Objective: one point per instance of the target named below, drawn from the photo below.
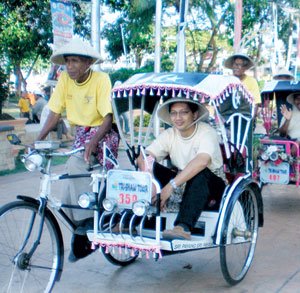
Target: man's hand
(164, 196)
(141, 163)
(287, 114)
(90, 148)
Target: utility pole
(238, 15)
(124, 44)
(157, 36)
(180, 56)
(95, 26)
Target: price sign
(278, 174)
(126, 187)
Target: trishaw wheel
(239, 236)
(119, 256)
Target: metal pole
(275, 51)
(124, 44)
(95, 26)
(238, 14)
(157, 36)
(297, 63)
(180, 56)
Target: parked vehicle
(33, 243)
(277, 157)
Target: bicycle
(32, 248)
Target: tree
(26, 32)
(4, 88)
(136, 20)
(210, 28)
(205, 38)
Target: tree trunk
(19, 80)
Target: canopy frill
(202, 87)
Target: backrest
(239, 126)
(234, 150)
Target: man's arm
(283, 130)
(287, 114)
(50, 123)
(91, 146)
(199, 163)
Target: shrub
(4, 88)
(147, 118)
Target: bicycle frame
(48, 201)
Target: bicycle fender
(234, 191)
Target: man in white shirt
(193, 148)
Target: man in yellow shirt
(85, 97)
(24, 106)
(239, 63)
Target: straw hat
(75, 47)
(229, 61)
(284, 74)
(164, 114)
(290, 98)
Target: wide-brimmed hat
(283, 73)
(230, 60)
(75, 47)
(163, 112)
(290, 98)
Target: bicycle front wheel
(19, 229)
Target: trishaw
(277, 157)
(124, 196)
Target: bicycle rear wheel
(239, 231)
(120, 256)
(20, 272)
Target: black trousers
(197, 192)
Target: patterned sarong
(84, 134)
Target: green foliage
(147, 118)
(26, 32)
(136, 21)
(123, 74)
(4, 87)
(19, 165)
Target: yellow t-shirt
(252, 86)
(24, 105)
(183, 150)
(87, 103)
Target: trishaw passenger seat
(235, 165)
(234, 149)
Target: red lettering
(121, 198)
(127, 198)
(134, 198)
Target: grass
(21, 168)
(12, 109)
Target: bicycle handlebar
(69, 153)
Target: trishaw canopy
(144, 92)
(278, 90)
(205, 88)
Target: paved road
(276, 266)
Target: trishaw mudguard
(234, 191)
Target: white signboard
(126, 187)
(275, 173)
